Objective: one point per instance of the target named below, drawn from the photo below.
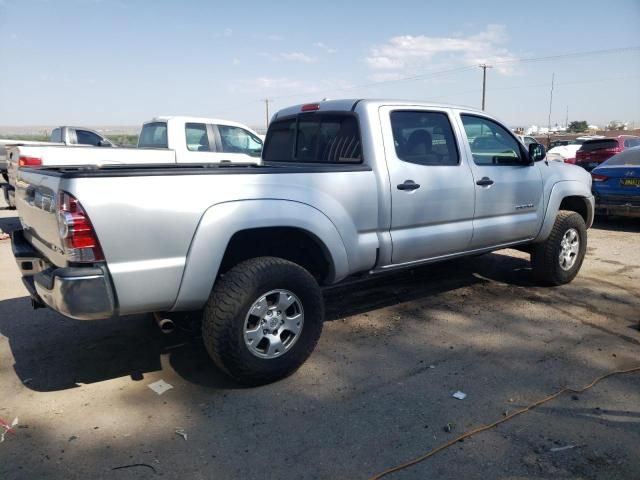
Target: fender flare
(560, 191)
(221, 221)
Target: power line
(385, 82)
(426, 76)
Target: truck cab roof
(188, 119)
(350, 105)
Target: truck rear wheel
(558, 259)
(263, 319)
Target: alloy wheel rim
(273, 324)
(569, 248)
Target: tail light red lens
(599, 178)
(76, 232)
(610, 151)
(570, 160)
(24, 161)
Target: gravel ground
(375, 393)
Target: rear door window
(314, 138)
(631, 142)
(425, 138)
(196, 137)
(153, 135)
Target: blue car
(616, 184)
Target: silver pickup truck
(346, 187)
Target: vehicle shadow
(390, 289)
(52, 352)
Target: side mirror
(537, 151)
(105, 143)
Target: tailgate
(36, 201)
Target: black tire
(545, 256)
(225, 312)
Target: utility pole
(266, 104)
(551, 100)
(484, 67)
(566, 119)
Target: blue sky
(117, 62)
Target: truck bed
(146, 217)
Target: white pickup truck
(162, 140)
(346, 187)
(60, 136)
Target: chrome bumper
(83, 293)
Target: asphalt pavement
(376, 392)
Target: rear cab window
(321, 137)
(153, 135)
(56, 135)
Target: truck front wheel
(263, 319)
(558, 259)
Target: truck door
(219, 143)
(508, 186)
(432, 190)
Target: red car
(593, 152)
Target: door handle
(408, 185)
(484, 182)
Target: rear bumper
(620, 210)
(622, 205)
(83, 293)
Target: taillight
(570, 160)
(612, 151)
(24, 161)
(311, 107)
(599, 178)
(76, 232)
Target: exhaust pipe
(166, 325)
